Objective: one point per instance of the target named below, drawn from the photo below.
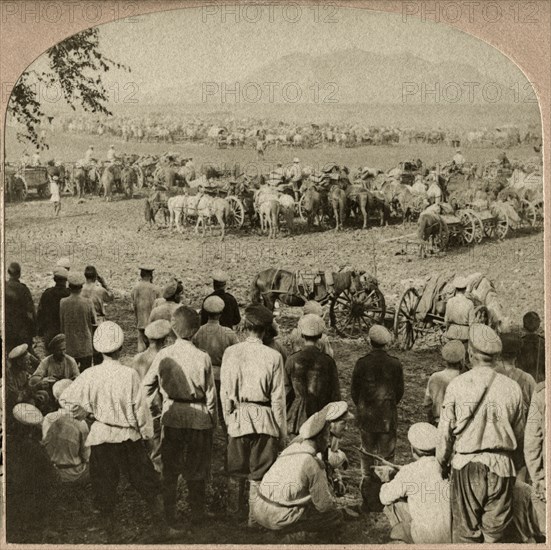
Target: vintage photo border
(25, 35)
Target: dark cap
(511, 344)
(259, 316)
(531, 321)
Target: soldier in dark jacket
(49, 324)
(531, 356)
(377, 387)
(20, 313)
(230, 316)
(313, 376)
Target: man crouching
(294, 496)
(417, 500)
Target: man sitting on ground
(416, 500)
(294, 495)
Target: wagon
(491, 224)
(420, 313)
(22, 181)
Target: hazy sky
(197, 44)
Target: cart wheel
(141, 176)
(237, 212)
(440, 242)
(352, 315)
(300, 208)
(473, 229)
(528, 215)
(502, 227)
(405, 320)
(538, 207)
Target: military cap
(64, 262)
(296, 159)
(108, 337)
(76, 279)
(56, 341)
(27, 414)
(336, 411)
(311, 325)
(379, 335)
(484, 339)
(313, 426)
(18, 351)
(453, 351)
(170, 290)
(312, 307)
(510, 343)
(214, 304)
(423, 436)
(460, 282)
(158, 329)
(60, 386)
(145, 267)
(531, 321)
(220, 276)
(185, 322)
(61, 272)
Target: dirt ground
(111, 236)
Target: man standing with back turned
(480, 437)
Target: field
(111, 237)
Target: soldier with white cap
(64, 262)
(376, 388)
(172, 296)
(296, 340)
(459, 312)
(182, 375)
(453, 353)
(294, 495)
(112, 395)
(481, 431)
(17, 379)
(312, 374)
(230, 316)
(64, 438)
(78, 322)
(295, 175)
(144, 295)
(215, 339)
(417, 499)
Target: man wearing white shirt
(112, 395)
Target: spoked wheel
(237, 212)
(502, 227)
(473, 229)
(141, 176)
(352, 315)
(300, 208)
(441, 240)
(538, 207)
(528, 214)
(405, 318)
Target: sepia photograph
(273, 273)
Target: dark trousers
(185, 452)
(106, 463)
(382, 444)
(482, 504)
(220, 410)
(313, 521)
(251, 455)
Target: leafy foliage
(75, 66)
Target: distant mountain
(347, 77)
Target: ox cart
(420, 311)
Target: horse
(176, 208)
(129, 179)
(312, 205)
(207, 207)
(287, 209)
(157, 201)
(367, 201)
(109, 178)
(269, 217)
(431, 228)
(86, 180)
(278, 284)
(337, 197)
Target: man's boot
(161, 529)
(253, 496)
(235, 499)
